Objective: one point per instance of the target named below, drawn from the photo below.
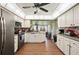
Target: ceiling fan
(37, 5)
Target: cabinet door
(74, 49)
(63, 20)
(66, 46)
(76, 15)
(63, 44)
(69, 18)
(26, 38)
(77, 51)
(59, 21)
(58, 41)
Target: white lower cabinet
(74, 48)
(34, 37)
(67, 46)
(59, 42)
(63, 44)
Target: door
(8, 33)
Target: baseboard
(59, 49)
(35, 42)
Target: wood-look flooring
(47, 48)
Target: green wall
(52, 23)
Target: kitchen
(32, 30)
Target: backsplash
(70, 31)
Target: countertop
(73, 38)
(36, 32)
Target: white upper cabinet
(61, 21)
(26, 23)
(76, 15)
(69, 18)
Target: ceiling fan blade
(27, 7)
(43, 9)
(43, 4)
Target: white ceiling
(30, 11)
(27, 14)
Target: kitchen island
(35, 37)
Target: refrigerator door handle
(2, 33)
(4, 28)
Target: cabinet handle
(67, 44)
(71, 24)
(73, 43)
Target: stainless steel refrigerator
(6, 32)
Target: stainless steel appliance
(6, 33)
(21, 38)
(61, 31)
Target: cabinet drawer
(74, 42)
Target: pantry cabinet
(76, 15)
